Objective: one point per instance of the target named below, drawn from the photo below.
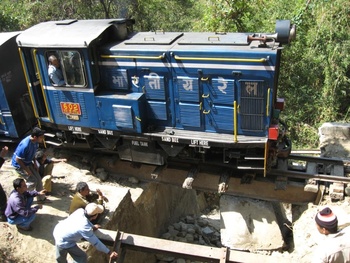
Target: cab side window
(66, 68)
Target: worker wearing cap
(336, 245)
(77, 226)
(23, 160)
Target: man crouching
(77, 226)
(19, 209)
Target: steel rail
(319, 177)
(278, 185)
(316, 159)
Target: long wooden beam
(258, 188)
(124, 240)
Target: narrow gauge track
(296, 179)
(313, 168)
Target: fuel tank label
(139, 143)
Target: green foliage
(315, 68)
(304, 136)
(332, 40)
(223, 16)
(9, 18)
(166, 15)
(16, 15)
(60, 10)
(8, 23)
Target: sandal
(44, 201)
(29, 228)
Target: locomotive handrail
(268, 102)
(257, 60)
(266, 154)
(1, 121)
(41, 85)
(235, 121)
(134, 57)
(28, 86)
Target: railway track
(297, 179)
(322, 169)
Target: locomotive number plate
(70, 108)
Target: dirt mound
(38, 245)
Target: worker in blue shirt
(23, 160)
(77, 226)
(55, 72)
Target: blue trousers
(78, 255)
(34, 181)
(3, 200)
(21, 220)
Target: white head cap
(93, 209)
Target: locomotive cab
(67, 105)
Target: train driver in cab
(55, 72)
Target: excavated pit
(150, 215)
(163, 209)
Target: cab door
(71, 101)
(218, 100)
(30, 61)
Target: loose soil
(37, 246)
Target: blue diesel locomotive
(151, 97)
(16, 112)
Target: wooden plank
(259, 188)
(184, 250)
